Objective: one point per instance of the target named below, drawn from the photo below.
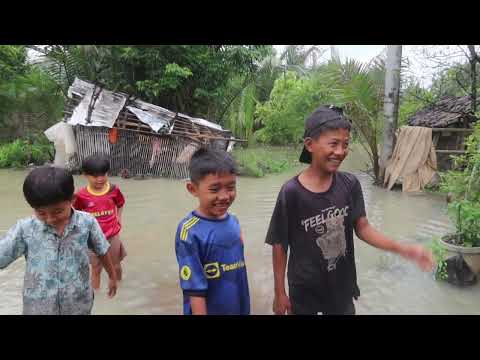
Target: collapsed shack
(451, 120)
(141, 139)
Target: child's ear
(308, 143)
(192, 188)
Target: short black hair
(48, 185)
(326, 118)
(207, 161)
(96, 165)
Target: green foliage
(12, 61)
(464, 180)
(466, 216)
(413, 99)
(188, 78)
(359, 89)
(21, 153)
(453, 81)
(464, 185)
(258, 162)
(292, 99)
(29, 98)
(439, 255)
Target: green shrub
(259, 161)
(23, 152)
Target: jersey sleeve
(118, 197)
(358, 204)
(78, 203)
(278, 229)
(188, 251)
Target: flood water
(388, 283)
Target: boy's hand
(421, 256)
(112, 288)
(281, 305)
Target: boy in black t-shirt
(315, 215)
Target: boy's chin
(217, 213)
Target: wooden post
(392, 89)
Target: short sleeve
(97, 241)
(78, 204)
(118, 197)
(12, 245)
(358, 204)
(192, 276)
(278, 229)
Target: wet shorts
(117, 252)
(307, 302)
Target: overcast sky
(365, 53)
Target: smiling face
(329, 149)
(215, 192)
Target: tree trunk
(473, 77)
(392, 90)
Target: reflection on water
(389, 285)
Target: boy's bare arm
(414, 252)
(119, 214)
(199, 305)
(107, 263)
(281, 302)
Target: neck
(315, 180)
(102, 191)
(317, 173)
(200, 212)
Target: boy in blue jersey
(209, 243)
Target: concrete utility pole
(392, 91)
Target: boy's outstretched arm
(12, 246)
(415, 252)
(107, 263)
(281, 302)
(199, 305)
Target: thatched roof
(449, 111)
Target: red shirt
(104, 207)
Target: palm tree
(296, 58)
(358, 88)
(65, 62)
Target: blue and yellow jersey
(212, 264)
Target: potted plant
(458, 253)
(465, 241)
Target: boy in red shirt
(105, 202)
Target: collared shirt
(57, 278)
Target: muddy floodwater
(388, 284)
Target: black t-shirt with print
(317, 228)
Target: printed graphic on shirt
(330, 227)
(185, 272)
